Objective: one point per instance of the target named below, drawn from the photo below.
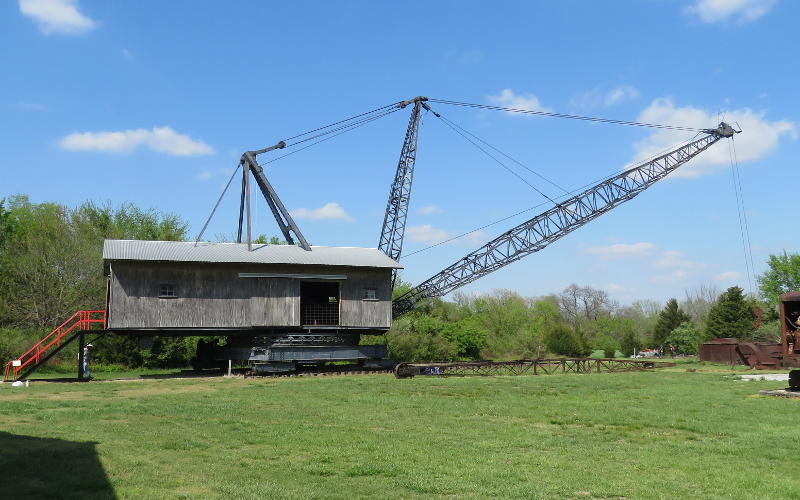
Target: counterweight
(547, 227)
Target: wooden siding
(214, 296)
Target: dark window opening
(370, 294)
(166, 291)
(319, 303)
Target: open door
(319, 303)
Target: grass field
(666, 434)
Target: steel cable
(565, 115)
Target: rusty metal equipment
(763, 355)
(526, 367)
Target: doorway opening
(319, 303)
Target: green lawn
(665, 434)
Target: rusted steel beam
(526, 367)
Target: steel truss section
(394, 221)
(526, 367)
(545, 228)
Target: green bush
(686, 338)
(562, 340)
(607, 344)
(630, 342)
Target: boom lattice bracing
(394, 222)
(547, 227)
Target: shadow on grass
(35, 467)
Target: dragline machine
(526, 238)
(283, 306)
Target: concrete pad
(781, 393)
(777, 377)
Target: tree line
(51, 266)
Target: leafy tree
(686, 338)
(782, 276)
(668, 319)
(730, 316)
(630, 342)
(51, 264)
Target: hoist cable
(506, 155)
(564, 115)
(739, 214)
(490, 155)
(744, 228)
(746, 223)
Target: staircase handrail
(84, 321)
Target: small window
(166, 291)
(370, 294)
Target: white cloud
(429, 210)
(434, 235)
(739, 11)
(328, 211)
(622, 250)
(672, 259)
(160, 139)
(204, 175)
(477, 237)
(728, 276)
(759, 136)
(673, 277)
(427, 234)
(598, 97)
(57, 16)
(507, 98)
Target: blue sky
(154, 102)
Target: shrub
(562, 340)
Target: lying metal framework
(547, 227)
(526, 367)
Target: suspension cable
(560, 198)
(346, 126)
(330, 135)
(564, 115)
(394, 104)
(213, 211)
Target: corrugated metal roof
(187, 251)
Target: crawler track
(321, 372)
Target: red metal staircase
(46, 348)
